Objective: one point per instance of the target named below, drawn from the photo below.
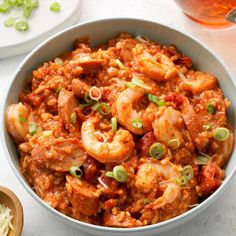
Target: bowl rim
(193, 211)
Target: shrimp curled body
(147, 179)
(16, 121)
(126, 114)
(106, 152)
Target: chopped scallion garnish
(32, 129)
(221, 134)
(9, 22)
(182, 181)
(76, 172)
(188, 172)
(103, 108)
(119, 173)
(120, 64)
(152, 98)
(140, 83)
(156, 151)
(161, 103)
(114, 124)
(210, 108)
(22, 118)
(55, 7)
(73, 117)
(58, 90)
(173, 143)
(4, 7)
(130, 85)
(201, 160)
(137, 123)
(22, 25)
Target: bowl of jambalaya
(121, 126)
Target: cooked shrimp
(126, 115)
(116, 151)
(158, 67)
(17, 121)
(167, 126)
(198, 81)
(148, 177)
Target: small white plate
(43, 23)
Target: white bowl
(99, 32)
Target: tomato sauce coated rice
(126, 134)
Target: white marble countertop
(220, 218)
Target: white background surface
(217, 220)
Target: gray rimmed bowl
(100, 31)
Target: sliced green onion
(114, 124)
(4, 7)
(58, 61)
(221, 134)
(210, 108)
(153, 98)
(35, 3)
(182, 181)
(201, 160)
(20, 2)
(140, 83)
(205, 155)
(12, 2)
(103, 108)
(76, 172)
(161, 103)
(146, 201)
(109, 174)
(47, 133)
(130, 85)
(95, 93)
(120, 173)
(9, 22)
(95, 106)
(156, 151)
(173, 143)
(27, 9)
(32, 129)
(137, 123)
(207, 127)
(120, 64)
(58, 90)
(22, 26)
(188, 172)
(55, 7)
(22, 118)
(88, 99)
(73, 117)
